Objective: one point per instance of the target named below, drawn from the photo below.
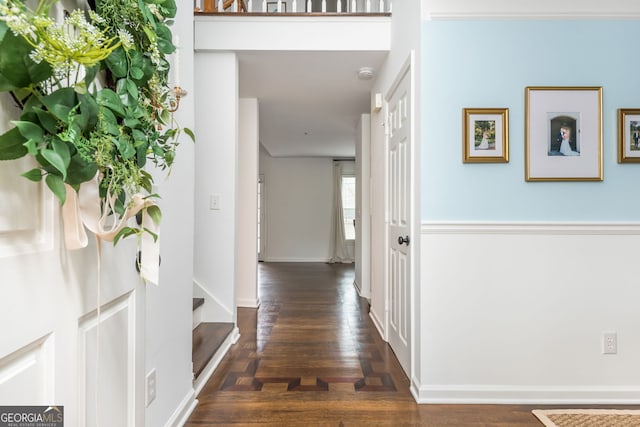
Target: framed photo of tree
(485, 135)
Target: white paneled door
(64, 341)
(399, 131)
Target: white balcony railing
(294, 6)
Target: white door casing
(400, 184)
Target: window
(349, 206)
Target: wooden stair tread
(207, 338)
(197, 302)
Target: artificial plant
(94, 97)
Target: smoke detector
(365, 73)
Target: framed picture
(485, 135)
(563, 134)
(272, 7)
(629, 136)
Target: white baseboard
(530, 395)
(248, 302)
(378, 324)
(270, 259)
(181, 414)
(360, 293)
(208, 370)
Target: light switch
(214, 202)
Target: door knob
(404, 240)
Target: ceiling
(309, 102)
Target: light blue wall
(478, 64)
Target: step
(207, 338)
(197, 312)
(197, 302)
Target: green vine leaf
(12, 145)
(56, 185)
(61, 102)
(190, 133)
(80, 171)
(154, 235)
(155, 214)
(136, 73)
(124, 232)
(117, 63)
(110, 99)
(16, 66)
(34, 175)
(30, 130)
(55, 160)
(48, 121)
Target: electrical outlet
(151, 386)
(609, 343)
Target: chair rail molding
(562, 228)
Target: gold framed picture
(563, 134)
(629, 135)
(485, 135)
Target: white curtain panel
(339, 251)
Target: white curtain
(339, 251)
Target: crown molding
(434, 10)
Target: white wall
(247, 273)
(293, 33)
(168, 307)
(515, 301)
(298, 200)
(516, 312)
(216, 166)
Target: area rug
(588, 417)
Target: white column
(216, 171)
(247, 258)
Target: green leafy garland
(94, 96)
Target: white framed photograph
(563, 134)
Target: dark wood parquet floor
(310, 356)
